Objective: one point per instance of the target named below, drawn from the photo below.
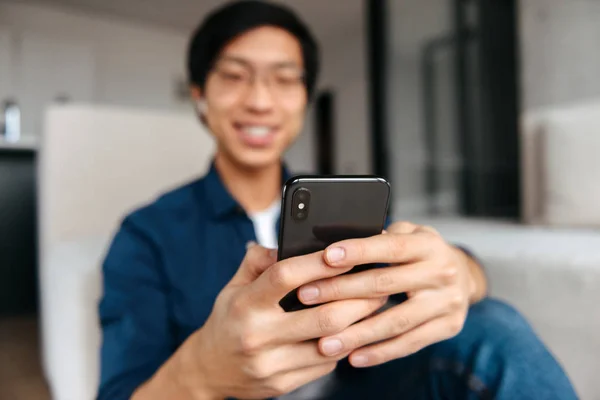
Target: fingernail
(309, 293)
(332, 346)
(359, 360)
(250, 244)
(335, 254)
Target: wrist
(178, 378)
(188, 373)
(476, 280)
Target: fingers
(389, 324)
(296, 356)
(404, 345)
(390, 248)
(289, 274)
(256, 261)
(327, 319)
(377, 282)
(287, 382)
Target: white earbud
(201, 104)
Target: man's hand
(250, 348)
(440, 281)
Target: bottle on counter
(12, 121)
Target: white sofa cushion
(71, 334)
(560, 166)
(572, 166)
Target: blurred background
(484, 115)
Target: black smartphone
(317, 211)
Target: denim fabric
(496, 356)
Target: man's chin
(256, 162)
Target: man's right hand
(249, 347)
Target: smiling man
(190, 307)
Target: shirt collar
(220, 201)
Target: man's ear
(195, 93)
(199, 102)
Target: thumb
(402, 227)
(256, 261)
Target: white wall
(115, 62)
(47, 51)
(345, 72)
(560, 51)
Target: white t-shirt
(265, 225)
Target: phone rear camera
(301, 204)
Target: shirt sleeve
(133, 313)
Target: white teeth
(257, 131)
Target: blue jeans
(496, 356)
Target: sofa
(98, 163)
(95, 165)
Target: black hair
(226, 23)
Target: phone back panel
(339, 208)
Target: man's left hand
(440, 281)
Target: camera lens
(302, 195)
(301, 215)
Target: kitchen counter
(27, 142)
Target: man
(190, 307)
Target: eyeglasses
(238, 77)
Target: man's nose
(259, 97)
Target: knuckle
(256, 369)
(449, 275)
(457, 301)
(279, 387)
(332, 289)
(329, 290)
(434, 242)
(249, 342)
(455, 326)
(405, 227)
(402, 227)
(383, 282)
(238, 306)
(328, 321)
(360, 250)
(401, 324)
(252, 250)
(281, 276)
(430, 229)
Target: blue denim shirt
(162, 274)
